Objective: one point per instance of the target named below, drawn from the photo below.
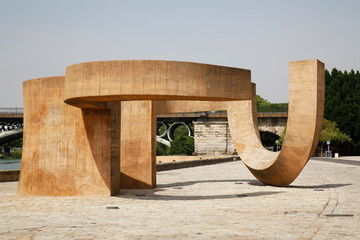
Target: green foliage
(5, 156)
(342, 106)
(8, 146)
(181, 131)
(332, 133)
(261, 101)
(15, 143)
(161, 149)
(161, 130)
(282, 137)
(181, 145)
(342, 102)
(329, 132)
(16, 154)
(264, 105)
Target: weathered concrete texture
(103, 137)
(92, 83)
(64, 153)
(138, 147)
(222, 201)
(306, 109)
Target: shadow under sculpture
(93, 131)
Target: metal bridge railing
(5, 127)
(12, 110)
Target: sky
(39, 38)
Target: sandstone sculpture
(93, 131)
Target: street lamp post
(328, 152)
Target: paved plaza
(222, 201)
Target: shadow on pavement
(252, 182)
(151, 194)
(188, 183)
(322, 186)
(134, 194)
(257, 183)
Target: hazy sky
(41, 38)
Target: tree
(342, 102)
(161, 149)
(332, 133)
(264, 105)
(181, 145)
(282, 137)
(14, 143)
(261, 101)
(329, 132)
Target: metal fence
(12, 110)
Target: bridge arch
(161, 130)
(174, 126)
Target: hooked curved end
(305, 117)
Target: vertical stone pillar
(66, 149)
(115, 136)
(138, 145)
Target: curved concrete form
(63, 153)
(93, 131)
(91, 83)
(306, 108)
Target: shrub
(16, 154)
(181, 145)
(161, 149)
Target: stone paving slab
(183, 158)
(221, 201)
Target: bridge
(11, 124)
(11, 114)
(210, 129)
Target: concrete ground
(221, 201)
(167, 159)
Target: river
(11, 164)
